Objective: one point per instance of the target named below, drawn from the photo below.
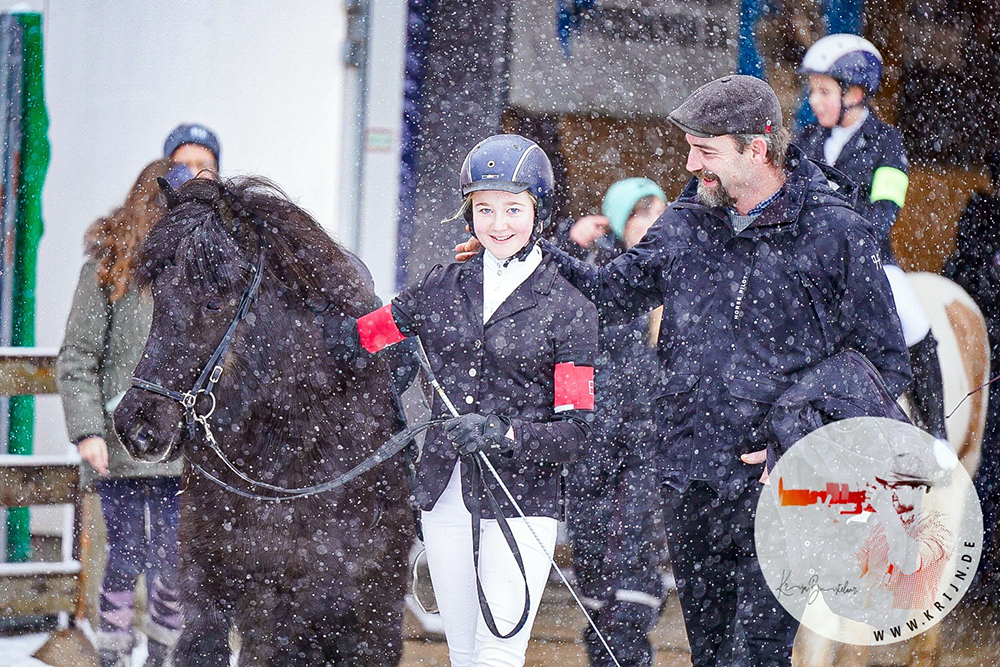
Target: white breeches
(911, 314)
(448, 540)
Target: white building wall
(268, 77)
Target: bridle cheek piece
(206, 382)
(212, 371)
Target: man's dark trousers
(730, 614)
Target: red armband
(574, 387)
(377, 329)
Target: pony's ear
(229, 209)
(168, 192)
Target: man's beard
(717, 197)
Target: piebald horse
(964, 352)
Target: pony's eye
(213, 304)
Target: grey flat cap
(733, 104)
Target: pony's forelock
(217, 223)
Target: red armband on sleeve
(574, 387)
(377, 329)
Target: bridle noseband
(212, 371)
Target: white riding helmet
(851, 60)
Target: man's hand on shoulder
(588, 229)
(466, 251)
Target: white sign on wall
(620, 57)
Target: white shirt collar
(839, 136)
(500, 281)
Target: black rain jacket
(746, 315)
(875, 144)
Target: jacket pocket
(676, 400)
(751, 399)
(758, 388)
(821, 309)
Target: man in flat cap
(763, 271)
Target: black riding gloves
(340, 333)
(474, 432)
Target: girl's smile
(503, 221)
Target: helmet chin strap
(844, 108)
(523, 253)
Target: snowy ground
(16, 651)
(969, 638)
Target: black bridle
(212, 371)
(206, 382)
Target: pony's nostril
(142, 438)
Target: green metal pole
(34, 163)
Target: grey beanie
(734, 104)
(192, 133)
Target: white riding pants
(448, 540)
(916, 326)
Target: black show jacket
(505, 367)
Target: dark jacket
(875, 144)
(843, 386)
(626, 371)
(975, 265)
(745, 316)
(626, 379)
(505, 367)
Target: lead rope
(394, 445)
(426, 366)
(971, 393)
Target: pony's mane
(209, 222)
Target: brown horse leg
(313, 624)
(924, 648)
(256, 621)
(204, 641)
(851, 655)
(384, 634)
(383, 586)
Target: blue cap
(622, 197)
(192, 133)
(510, 163)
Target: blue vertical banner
(748, 60)
(418, 35)
(842, 16)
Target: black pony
(307, 581)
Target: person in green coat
(105, 336)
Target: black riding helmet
(510, 163)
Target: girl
(105, 335)
(844, 74)
(512, 344)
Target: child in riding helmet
(629, 207)
(614, 510)
(513, 345)
(844, 73)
